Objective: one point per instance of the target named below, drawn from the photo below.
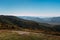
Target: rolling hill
(13, 23)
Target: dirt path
(21, 32)
(24, 32)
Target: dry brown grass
(9, 35)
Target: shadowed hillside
(12, 21)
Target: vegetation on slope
(13, 22)
(8, 35)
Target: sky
(43, 8)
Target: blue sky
(43, 8)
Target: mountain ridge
(51, 20)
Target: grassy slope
(8, 35)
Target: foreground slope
(9, 35)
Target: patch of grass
(8, 35)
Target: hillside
(16, 35)
(12, 21)
(52, 23)
(15, 23)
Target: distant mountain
(52, 20)
(55, 19)
(32, 18)
(36, 19)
